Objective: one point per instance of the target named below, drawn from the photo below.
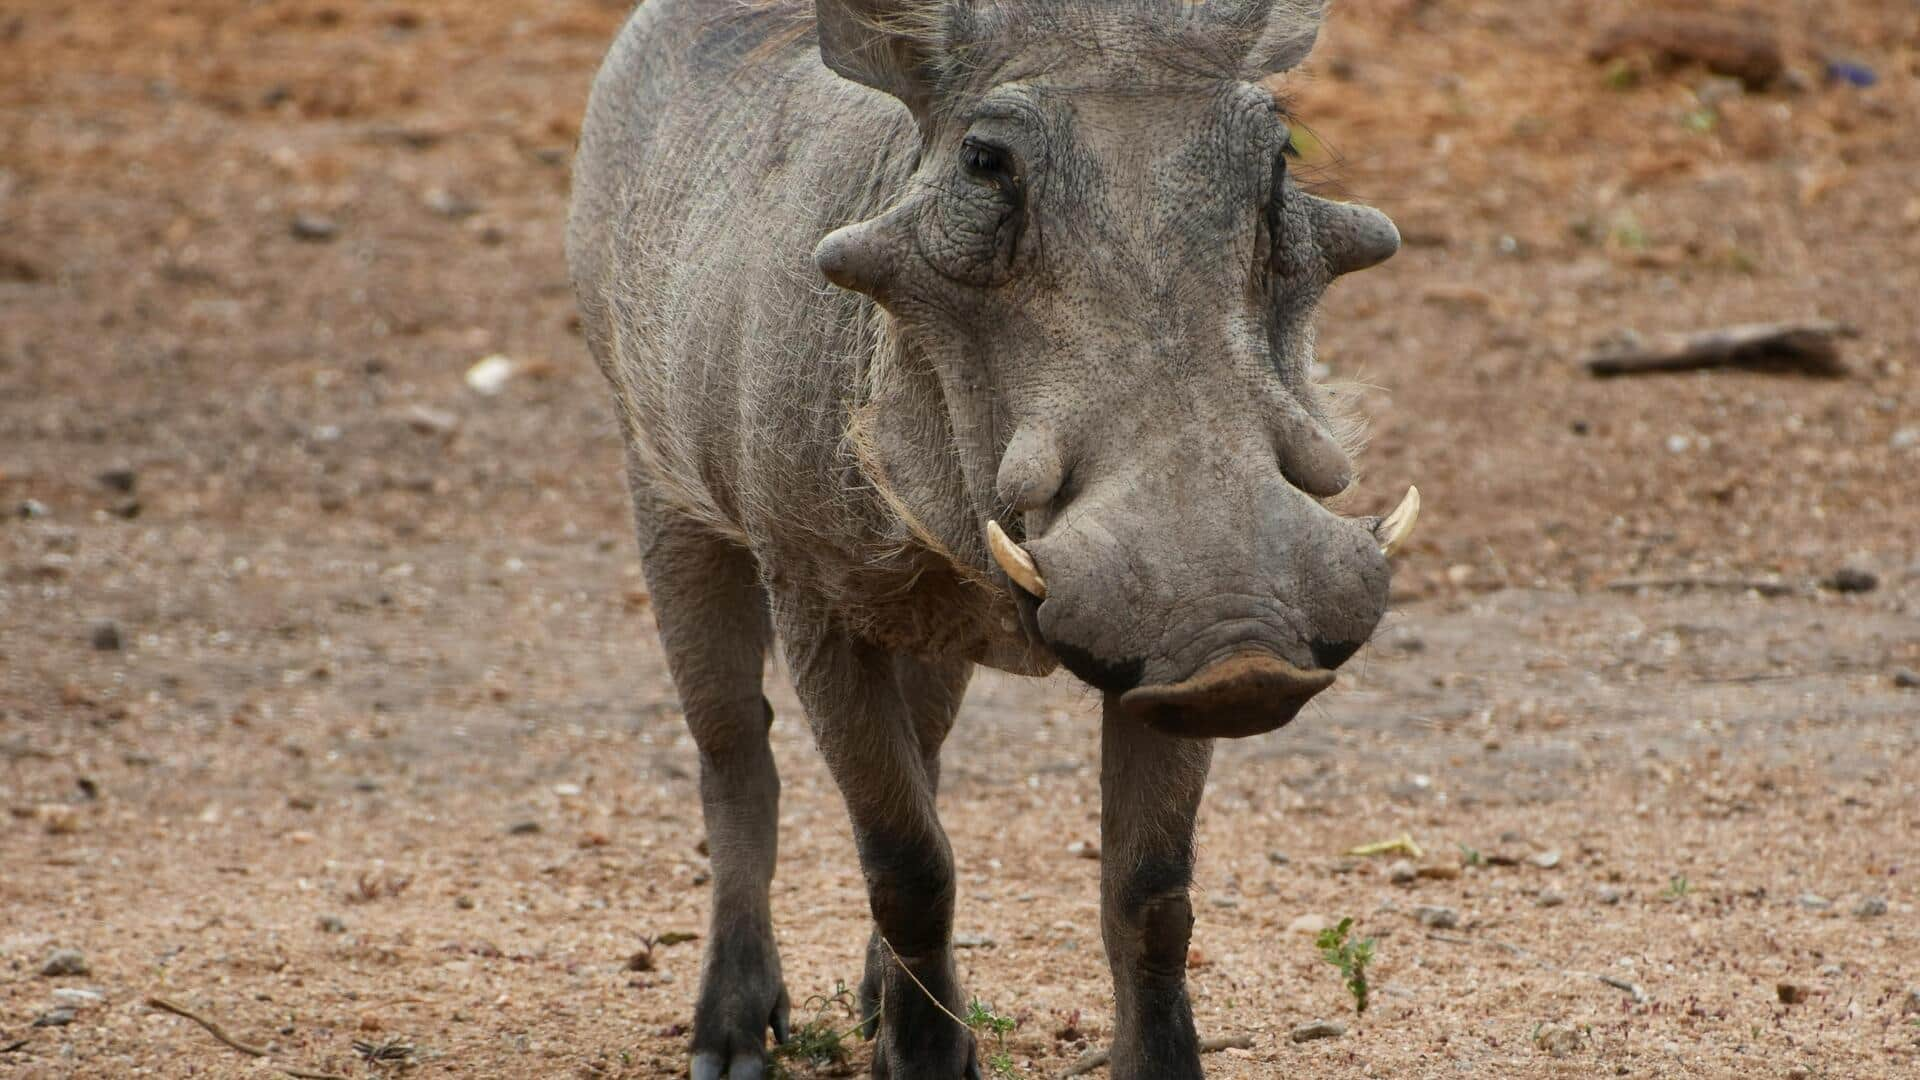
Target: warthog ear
(1279, 33)
(886, 44)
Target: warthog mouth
(1248, 693)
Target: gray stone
(105, 636)
(58, 1016)
(1814, 902)
(1317, 1029)
(313, 228)
(332, 924)
(1558, 1040)
(66, 962)
(1870, 907)
(1907, 679)
(1550, 898)
(1439, 918)
(1402, 872)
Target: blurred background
(329, 699)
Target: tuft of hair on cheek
(1337, 403)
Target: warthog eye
(1277, 202)
(990, 164)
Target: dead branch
(1093, 1059)
(1805, 348)
(1763, 586)
(218, 1032)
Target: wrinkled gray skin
(1033, 261)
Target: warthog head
(1105, 258)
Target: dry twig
(1806, 348)
(1763, 586)
(1093, 1059)
(215, 1030)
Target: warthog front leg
(1150, 787)
(869, 710)
(932, 694)
(715, 627)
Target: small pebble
(58, 1016)
(1402, 872)
(66, 962)
(120, 478)
(1308, 924)
(1831, 971)
(75, 996)
(1791, 993)
(1081, 849)
(1439, 918)
(523, 828)
(333, 924)
(1852, 579)
(1440, 871)
(105, 636)
(463, 902)
(1815, 902)
(314, 228)
(1870, 907)
(1911, 1006)
(972, 941)
(1550, 898)
(1317, 1029)
(1907, 679)
(33, 508)
(1546, 860)
(449, 205)
(1278, 858)
(1558, 1040)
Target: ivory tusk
(1394, 529)
(1014, 560)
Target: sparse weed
(820, 1041)
(981, 1018)
(1351, 957)
(1678, 887)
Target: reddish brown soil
(354, 654)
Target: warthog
(957, 332)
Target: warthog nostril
(1246, 694)
(1331, 654)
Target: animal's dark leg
(931, 693)
(715, 626)
(1150, 787)
(857, 697)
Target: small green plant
(981, 1018)
(1470, 856)
(1351, 957)
(1678, 886)
(820, 1041)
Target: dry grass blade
(220, 1033)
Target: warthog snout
(1220, 622)
(1246, 694)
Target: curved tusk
(1394, 529)
(1015, 561)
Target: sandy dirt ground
(330, 705)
